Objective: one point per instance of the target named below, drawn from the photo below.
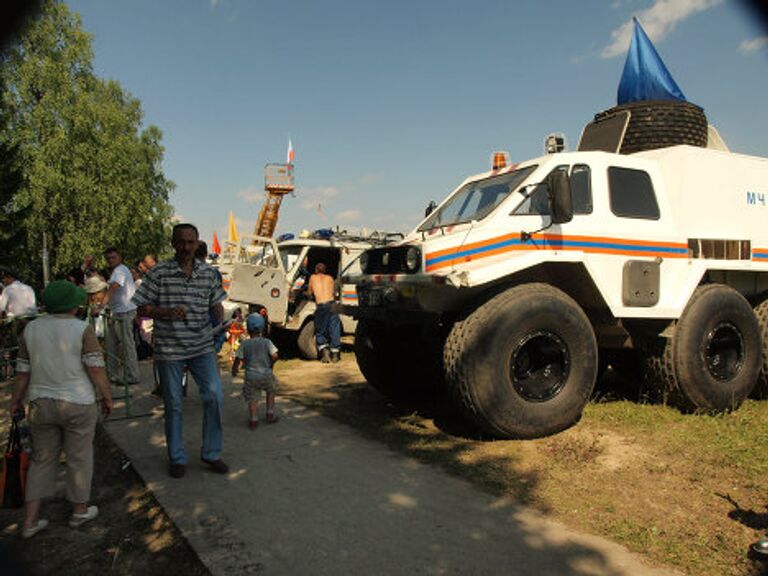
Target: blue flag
(645, 77)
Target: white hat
(95, 284)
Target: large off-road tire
(306, 342)
(712, 361)
(399, 362)
(761, 312)
(660, 123)
(658, 374)
(523, 364)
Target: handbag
(13, 479)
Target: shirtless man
(327, 323)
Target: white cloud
(252, 195)
(348, 216)
(657, 21)
(316, 198)
(749, 46)
(372, 178)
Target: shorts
(252, 387)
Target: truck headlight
(412, 259)
(364, 262)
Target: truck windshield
(289, 255)
(476, 200)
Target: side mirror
(559, 186)
(430, 208)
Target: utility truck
(512, 289)
(273, 273)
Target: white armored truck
(515, 285)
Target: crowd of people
(91, 335)
(63, 372)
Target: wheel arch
(572, 278)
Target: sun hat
(95, 284)
(63, 296)
(255, 322)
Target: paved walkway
(309, 496)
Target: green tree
(12, 235)
(89, 175)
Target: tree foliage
(12, 235)
(87, 174)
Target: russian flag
(290, 152)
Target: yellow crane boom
(278, 181)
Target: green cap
(63, 296)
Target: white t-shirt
(54, 354)
(18, 299)
(120, 301)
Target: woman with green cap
(59, 364)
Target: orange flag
(216, 247)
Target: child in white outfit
(258, 354)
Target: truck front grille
(388, 260)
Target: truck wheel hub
(724, 352)
(539, 366)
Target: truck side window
(537, 201)
(581, 189)
(631, 194)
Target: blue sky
(391, 104)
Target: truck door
(262, 280)
(350, 264)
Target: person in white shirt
(122, 362)
(17, 300)
(60, 368)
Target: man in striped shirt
(178, 294)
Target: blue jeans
(327, 327)
(205, 371)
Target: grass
(687, 491)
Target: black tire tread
(761, 313)
(659, 381)
(305, 341)
(660, 123)
(457, 375)
(661, 363)
(402, 364)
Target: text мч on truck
(515, 285)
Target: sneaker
(271, 418)
(27, 533)
(335, 356)
(325, 356)
(218, 466)
(77, 520)
(177, 470)
(760, 547)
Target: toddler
(257, 354)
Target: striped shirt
(166, 285)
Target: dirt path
(311, 496)
(132, 534)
